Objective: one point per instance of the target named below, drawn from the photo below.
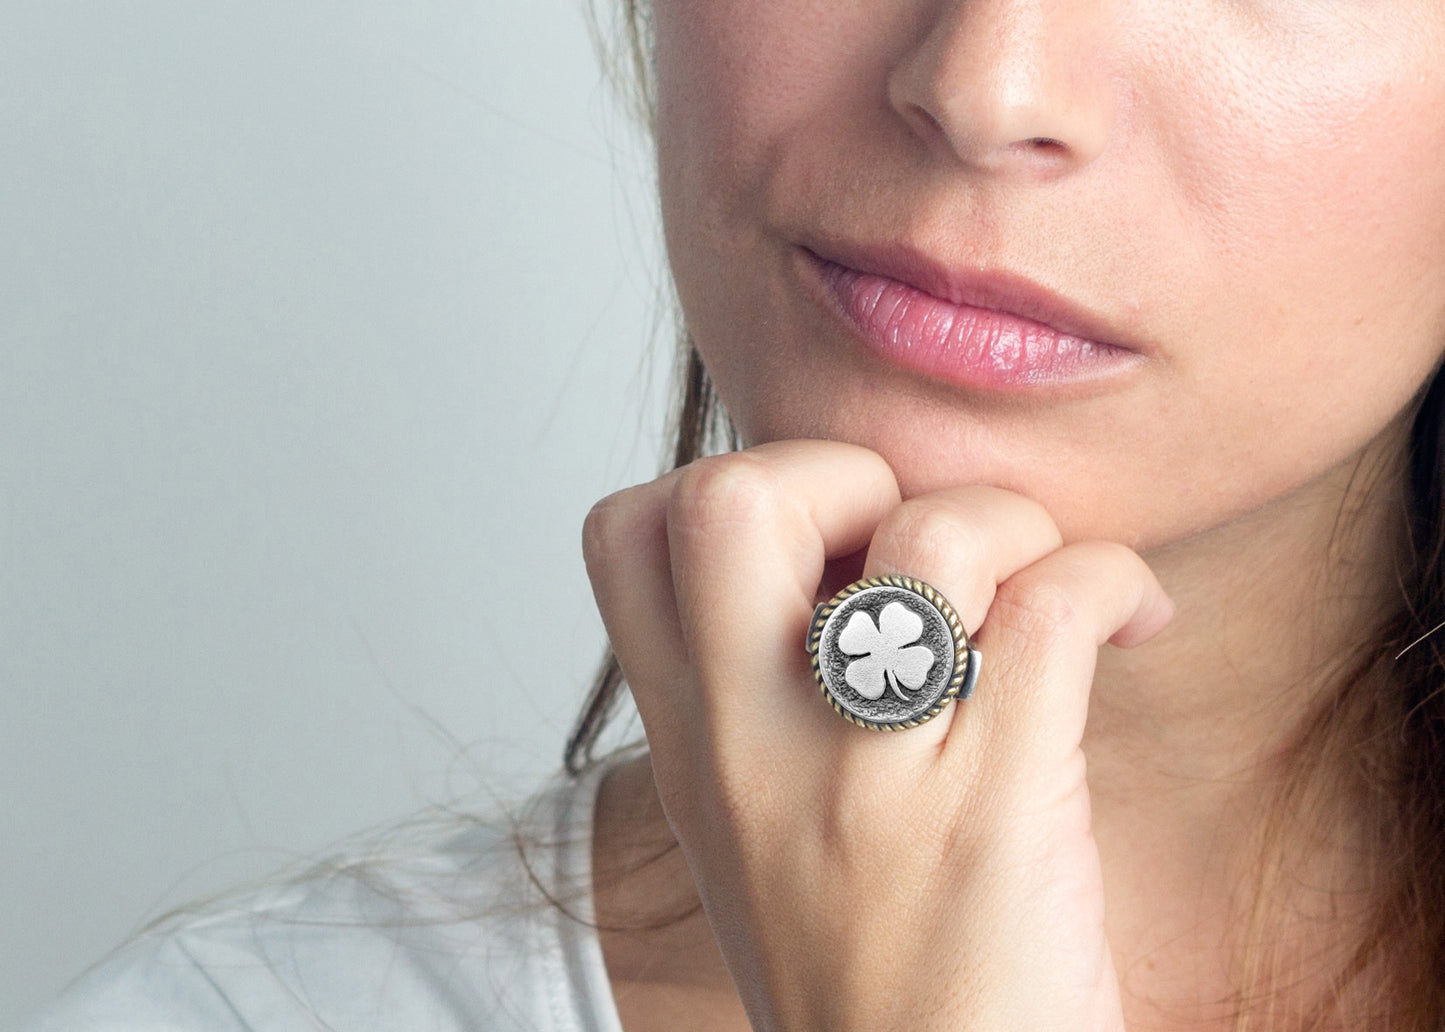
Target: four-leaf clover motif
(887, 661)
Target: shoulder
(443, 925)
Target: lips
(977, 329)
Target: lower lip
(964, 345)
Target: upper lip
(997, 289)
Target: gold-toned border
(964, 653)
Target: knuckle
(607, 523)
(599, 528)
(1112, 553)
(1027, 511)
(1035, 608)
(721, 492)
(923, 532)
(621, 526)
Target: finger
(624, 544)
(749, 533)
(1041, 639)
(964, 541)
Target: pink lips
(991, 333)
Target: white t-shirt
(449, 932)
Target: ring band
(890, 653)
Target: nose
(1008, 86)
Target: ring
(890, 653)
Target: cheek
(744, 88)
(715, 82)
(739, 83)
(1313, 182)
(1315, 192)
(707, 78)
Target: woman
(1116, 325)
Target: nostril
(927, 119)
(1039, 151)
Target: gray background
(321, 325)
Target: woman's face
(1155, 264)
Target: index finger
(749, 533)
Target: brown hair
(1384, 726)
(1411, 730)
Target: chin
(1084, 495)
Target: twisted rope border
(963, 650)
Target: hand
(943, 877)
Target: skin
(1250, 195)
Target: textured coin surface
(890, 653)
